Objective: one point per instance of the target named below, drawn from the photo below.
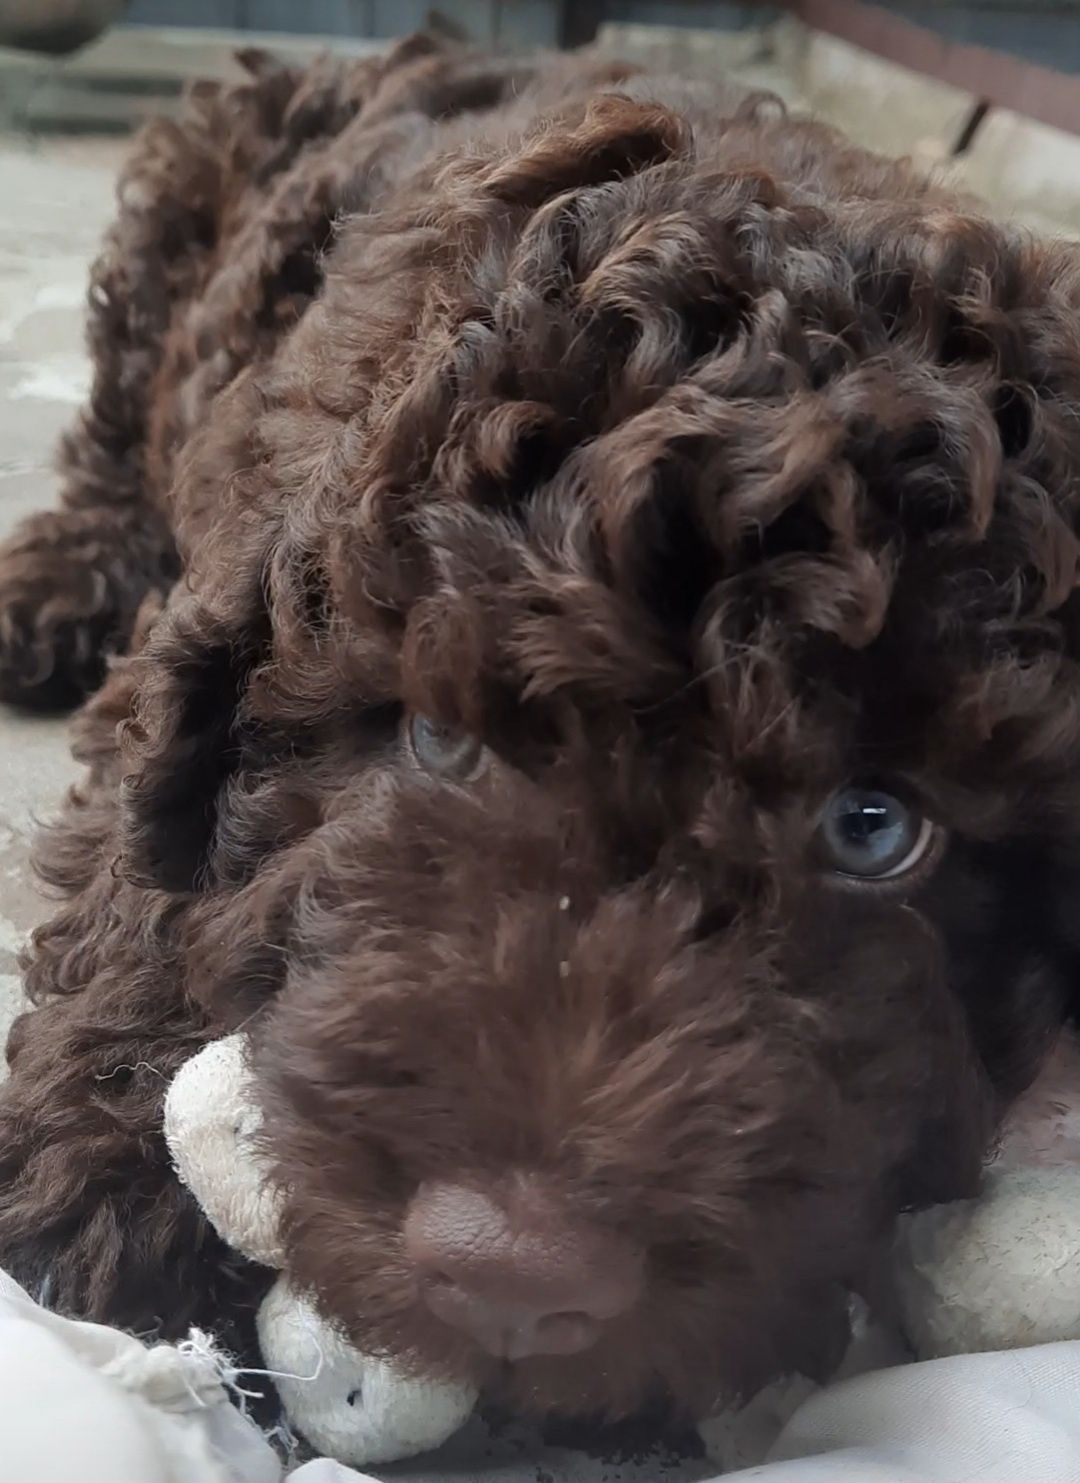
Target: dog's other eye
(867, 833)
(443, 751)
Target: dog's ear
(616, 137)
(182, 742)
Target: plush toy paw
(999, 1272)
(1003, 1271)
(210, 1127)
(348, 1405)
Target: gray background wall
(1046, 31)
(536, 22)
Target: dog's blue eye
(873, 835)
(442, 751)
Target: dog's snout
(518, 1274)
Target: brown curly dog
(613, 741)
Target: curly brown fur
(695, 461)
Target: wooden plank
(1048, 35)
(1009, 82)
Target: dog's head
(617, 746)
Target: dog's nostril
(436, 1279)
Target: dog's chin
(698, 1344)
(613, 1380)
(694, 1359)
(601, 1383)
(691, 1348)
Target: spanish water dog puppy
(581, 576)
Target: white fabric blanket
(85, 1404)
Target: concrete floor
(60, 201)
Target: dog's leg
(93, 1220)
(72, 580)
(92, 1217)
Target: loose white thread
(138, 1066)
(199, 1346)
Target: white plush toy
(1003, 1271)
(347, 1405)
(999, 1272)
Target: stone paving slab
(62, 196)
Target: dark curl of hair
(696, 463)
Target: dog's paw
(71, 583)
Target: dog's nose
(518, 1274)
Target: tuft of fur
(697, 462)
